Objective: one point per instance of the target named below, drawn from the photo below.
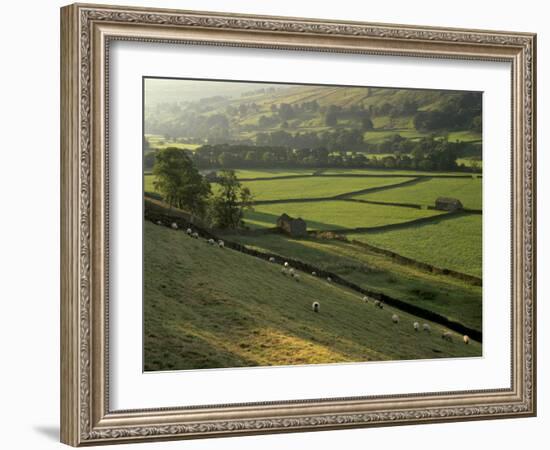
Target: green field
(452, 298)
(208, 307)
(315, 187)
(467, 190)
(393, 172)
(453, 244)
(265, 173)
(335, 215)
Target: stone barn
(290, 225)
(448, 204)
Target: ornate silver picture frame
(87, 32)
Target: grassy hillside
(217, 112)
(208, 307)
(452, 298)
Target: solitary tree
(229, 204)
(179, 182)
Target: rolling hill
(198, 112)
(208, 307)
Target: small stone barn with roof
(448, 204)
(294, 227)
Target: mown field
(335, 214)
(467, 190)
(207, 307)
(453, 244)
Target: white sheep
(314, 274)
(284, 271)
(174, 226)
(365, 299)
(379, 304)
(426, 327)
(221, 244)
(466, 339)
(297, 277)
(271, 259)
(315, 306)
(447, 336)
(286, 264)
(395, 318)
(189, 231)
(329, 279)
(211, 241)
(291, 271)
(416, 326)
(195, 235)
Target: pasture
(454, 244)
(335, 214)
(452, 298)
(467, 190)
(315, 187)
(394, 172)
(207, 307)
(266, 173)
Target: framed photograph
(275, 224)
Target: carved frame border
(86, 31)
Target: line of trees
(182, 186)
(425, 154)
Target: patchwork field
(467, 190)
(335, 214)
(249, 314)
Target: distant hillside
(209, 307)
(199, 112)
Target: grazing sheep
(395, 318)
(314, 274)
(329, 279)
(221, 244)
(284, 271)
(189, 231)
(271, 259)
(365, 299)
(379, 304)
(159, 222)
(416, 326)
(211, 241)
(297, 277)
(315, 306)
(286, 264)
(466, 339)
(291, 271)
(426, 328)
(447, 336)
(195, 235)
(174, 226)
